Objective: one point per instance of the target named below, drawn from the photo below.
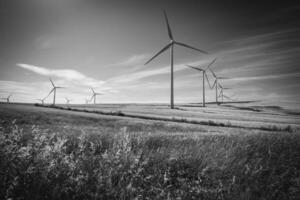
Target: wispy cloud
(146, 73)
(65, 74)
(131, 61)
(61, 73)
(266, 77)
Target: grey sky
(104, 44)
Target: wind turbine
(7, 98)
(53, 90)
(94, 96)
(230, 98)
(171, 46)
(86, 101)
(216, 83)
(203, 75)
(221, 92)
(42, 100)
(68, 100)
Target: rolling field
(246, 115)
(49, 153)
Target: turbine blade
(92, 90)
(227, 97)
(92, 97)
(195, 68)
(207, 80)
(50, 93)
(211, 63)
(213, 73)
(214, 83)
(223, 78)
(52, 82)
(168, 26)
(188, 46)
(163, 49)
(220, 85)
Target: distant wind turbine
(203, 77)
(230, 98)
(68, 100)
(7, 98)
(171, 46)
(53, 90)
(41, 100)
(86, 101)
(94, 96)
(216, 83)
(222, 91)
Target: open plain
(233, 151)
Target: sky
(104, 44)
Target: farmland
(134, 153)
(246, 115)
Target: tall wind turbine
(94, 96)
(53, 90)
(216, 83)
(203, 77)
(7, 98)
(171, 46)
(68, 100)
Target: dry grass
(39, 164)
(237, 115)
(67, 156)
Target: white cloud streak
(132, 60)
(65, 74)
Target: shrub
(39, 164)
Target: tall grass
(40, 164)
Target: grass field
(49, 153)
(248, 115)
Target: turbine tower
(171, 46)
(86, 101)
(94, 96)
(7, 98)
(203, 77)
(216, 83)
(53, 90)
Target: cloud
(65, 74)
(162, 70)
(277, 76)
(62, 73)
(131, 61)
(264, 37)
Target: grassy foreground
(38, 163)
